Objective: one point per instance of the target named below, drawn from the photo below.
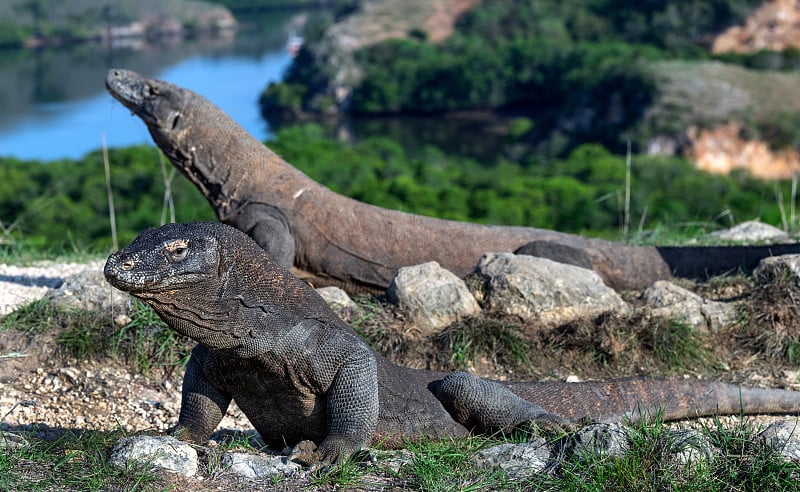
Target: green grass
(471, 338)
(744, 463)
(146, 343)
(71, 462)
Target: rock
(10, 441)
(688, 447)
(668, 301)
(517, 461)
(784, 437)
(540, 289)
(163, 453)
(339, 301)
(751, 231)
(776, 268)
(259, 465)
(610, 440)
(392, 460)
(88, 290)
(432, 296)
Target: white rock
(159, 452)
(540, 289)
(432, 296)
(259, 465)
(751, 231)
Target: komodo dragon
(303, 376)
(333, 240)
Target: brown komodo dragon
(333, 240)
(304, 377)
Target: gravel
(50, 394)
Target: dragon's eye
(179, 253)
(177, 250)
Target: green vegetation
(74, 461)
(145, 343)
(582, 69)
(62, 205)
(581, 193)
(78, 462)
(60, 21)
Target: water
(56, 106)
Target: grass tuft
(771, 321)
(472, 338)
(74, 461)
(146, 343)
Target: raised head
(166, 259)
(188, 274)
(159, 104)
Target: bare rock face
(671, 302)
(163, 453)
(774, 26)
(540, 289)
(721, 149)
(432, 296)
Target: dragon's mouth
(129, 88)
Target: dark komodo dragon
(303, 376)
(334, 240)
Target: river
(55, 104)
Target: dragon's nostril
(127, 265)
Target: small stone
(432, 296)
(160, 452)
(517, 461)
(600, 439)
(259, 466)
(338, 301)
(784, 437)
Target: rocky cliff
(775, 26)
(376, 21)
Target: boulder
(339, 301)
(751, 231)
(432, 296)
(776, 268)
(540, 289)
(164, 453)
(668, 301)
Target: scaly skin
(303, 376)
(329, 238)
